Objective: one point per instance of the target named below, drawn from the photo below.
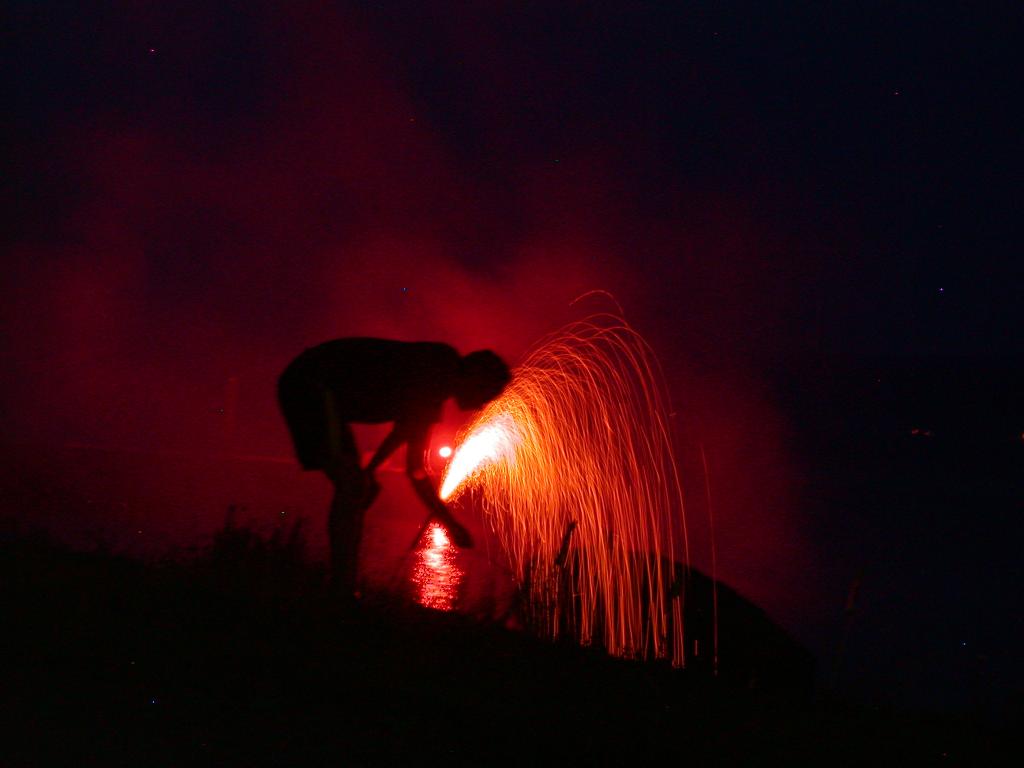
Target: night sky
(792, 202)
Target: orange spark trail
(576, 474)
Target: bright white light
(495, 441)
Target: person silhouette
(372, 381)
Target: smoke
(230, 188)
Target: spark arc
(574, 470)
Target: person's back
(378, 380)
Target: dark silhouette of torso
(363, 381)
(378, 380)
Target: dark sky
(193, 191)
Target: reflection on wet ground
(436, 574)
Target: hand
(456, 530)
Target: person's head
(481, 378)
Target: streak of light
(574, 470)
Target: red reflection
(436, 575)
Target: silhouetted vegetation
(242, 655)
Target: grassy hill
(244, 656)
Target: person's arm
(416, 448)
(387, 447)
(419, 438)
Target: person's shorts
(306, 408)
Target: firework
(575, 473)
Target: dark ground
(241, 655)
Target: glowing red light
(445, 451)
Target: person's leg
(349, 505)
(345, 531)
